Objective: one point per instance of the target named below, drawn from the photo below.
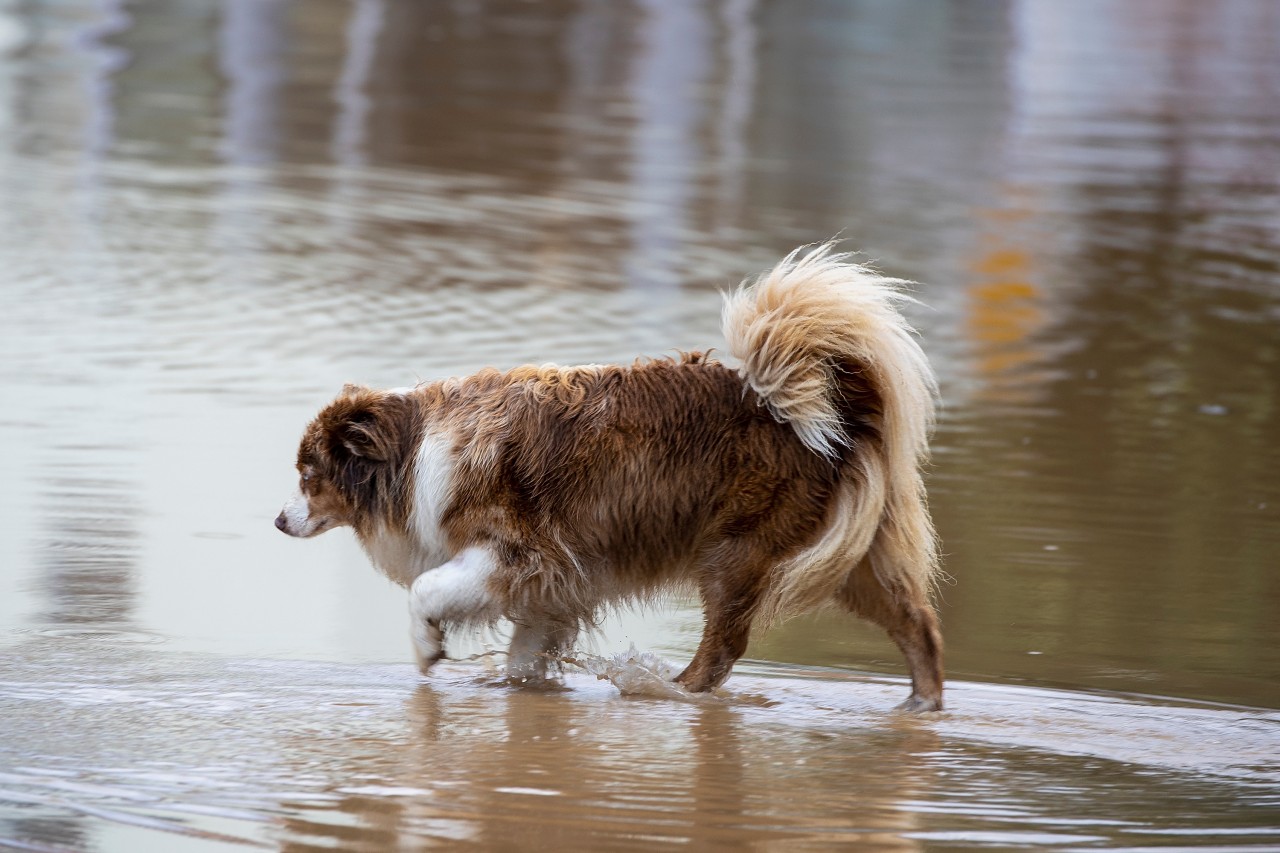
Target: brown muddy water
(214, 214)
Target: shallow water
(212, 215)
(301, 755)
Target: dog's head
(351, 462)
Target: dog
(544, 494)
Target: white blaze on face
(297, 516)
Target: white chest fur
(394, 555)
(432, 493)
(403, 555)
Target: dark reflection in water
(1157, 409)
(88, 581)
(1108, 477)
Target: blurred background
(213, 213)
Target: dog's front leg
(457, 591)
(532, 642)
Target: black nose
(281, 522)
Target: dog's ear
(362, 435)
(363, 424)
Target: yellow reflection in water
(1005, 309)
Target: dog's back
(603, 483)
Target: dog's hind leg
(729, 602)
(910, 621)
(456, 591)
(532, 643)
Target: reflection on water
(213, 214)
(87, 572)
(303, 755)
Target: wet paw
(428, 645)
(920, 704)
(425, 662)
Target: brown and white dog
(544, 494)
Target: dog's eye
(306, 475)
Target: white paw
(428, 644)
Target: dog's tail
(825, 349)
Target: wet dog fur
(544, 494)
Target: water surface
(214, 214)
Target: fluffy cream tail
(813, 316)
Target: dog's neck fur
(403, 553)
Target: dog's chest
(396, 556)
(432, 492)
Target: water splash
(637, 673)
